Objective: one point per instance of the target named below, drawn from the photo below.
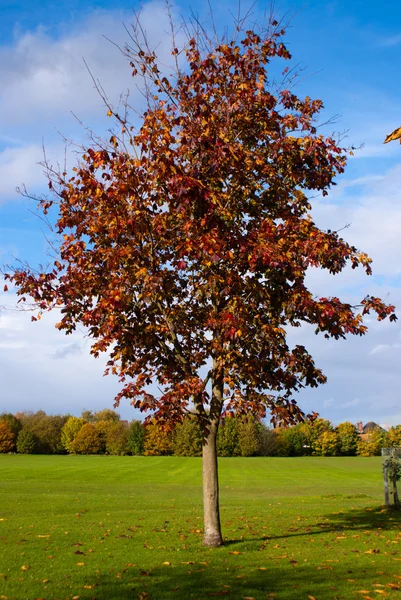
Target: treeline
(104, 432)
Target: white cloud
(45, 77)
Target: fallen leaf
(25, 567)
(235, 552)
(311, 597)
(90, 587)
(166, 563)
(46, 581)
(43, 536)
(80, 564)
(222, 593)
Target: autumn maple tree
(184, 242)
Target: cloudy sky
(349, 55)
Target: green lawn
(131, 527)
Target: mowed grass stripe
(131, 527)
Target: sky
(348, 54)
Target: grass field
(97, 527)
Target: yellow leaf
(80, 564)
(25, 567)
(109, 113)
(46, 581)
(166, 563)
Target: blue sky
(349, 55)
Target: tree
(46, 429)
(326, 444)
(249, 436)
(184, 243)
(88, 440)
(227, 437)
(158, 440)
(296, 440)
(372, 442)
(117, 439)
(14, 422)
(27, 442)
(348, 438)
(188, 438)
(136, 438)
(394, 436)
(69, 432)
(7, 437)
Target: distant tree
(69, 432)
(136, 438)
(296, 440)
(117, 438)
(372, 442)
(158, 440)
(188, 438)
(27, 442)
(249, 436)
(227, 437)
(326, 444)
(88, 416)
(106, 415)
(269, 443)
(88, 440)
(183, 244)
(47, 430)
(348, 438)
(317, 429)
(13, 421)
(7, 437)
(394, 436)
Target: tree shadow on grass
(365, 519)
(266, 576)
(282, 581)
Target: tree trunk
(211, 509)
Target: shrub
(7, 437)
